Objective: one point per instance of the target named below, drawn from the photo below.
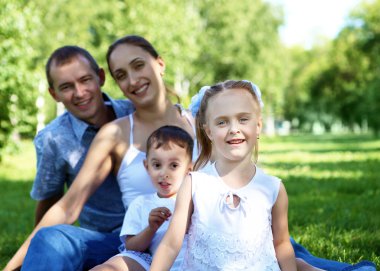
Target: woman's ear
(162, 65)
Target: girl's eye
(220, 122)
(243, 120)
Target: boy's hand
(157, 217)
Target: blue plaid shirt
(60, 155)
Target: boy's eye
(156, 165)
(174, 165)
(243, 120)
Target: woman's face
(138, 74)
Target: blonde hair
(204, 143)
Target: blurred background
(314, 78)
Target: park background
(321, 113)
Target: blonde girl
(236, 214)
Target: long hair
(204, 143)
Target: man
(75, 79)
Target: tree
(17, 79)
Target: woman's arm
(97, 166)
(281, 238)
(172, 242)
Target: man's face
(78, 87)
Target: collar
(80, 126)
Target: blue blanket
(329, 265)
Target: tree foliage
(203, 42)
(339, 81)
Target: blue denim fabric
(61, 149)
(66, 247)
(329, 265)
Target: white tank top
(225, 238)
(132, 176)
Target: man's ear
(102, 77)
(53, 94)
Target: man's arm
(43, 206)
(97, 166)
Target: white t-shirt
(136, 220)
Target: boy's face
(167, 166)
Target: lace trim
(216, 251)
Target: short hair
(64, 55)
(167, 134)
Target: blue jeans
(66, 247)
(329, 265)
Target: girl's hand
(157, 217)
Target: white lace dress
(225, 238)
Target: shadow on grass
(326, 138)
(368, 166)
(322, 150)
(16, 217)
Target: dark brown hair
(167, 134)
(143, 44)
(64, 55)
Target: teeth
(236, 141)
(140, 90)
(83, 103)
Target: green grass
(334, 192)
(332, 184)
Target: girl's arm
(281, 238)
(97, 166)
(171, 244)
(141, 242)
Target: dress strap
(188, 117)
(131, 130)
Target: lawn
(332, 183)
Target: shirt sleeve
(50, 176)
(133, 219)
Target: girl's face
(233, 124)
(138, 74)
(167, 166)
